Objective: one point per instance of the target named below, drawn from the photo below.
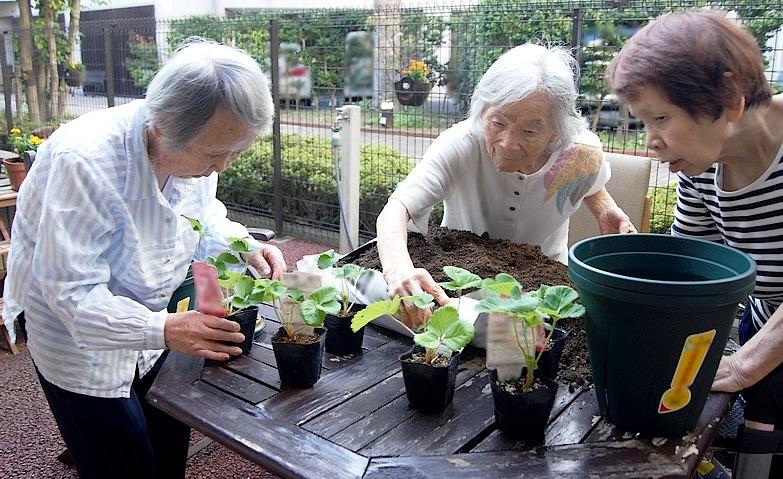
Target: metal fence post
(276, 146)
(350, 139)
(576, 37)
(7, 89)
(107, 58)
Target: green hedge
(664, 199)
(309, 186)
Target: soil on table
(487, 257)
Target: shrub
(309, 185)
(664, 199)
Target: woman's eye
(660, 118)
(497, 124)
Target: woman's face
(220, 142)
(518, 135)
(688, 144)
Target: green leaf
(229, 279)
(526, 303)
(311, 314)
(324, 294)
(572, 311)
(375, 311)
(195, 224)
(445, 327)
(504, 289)
(295, 295)
(327, 258)
(227, 258)
(421, 300)
(244, 286)
(559, 299)
(240, 245)
(460, 279)
(240, 303)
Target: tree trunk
(54, 75)
(26, 53)
(597, 116)
(73, 29)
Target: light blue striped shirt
(97, 250)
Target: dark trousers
(763, 400)
(119, 437)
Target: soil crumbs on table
(487, 257)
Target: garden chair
(752, 450)
(628, 186)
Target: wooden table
(356, 422)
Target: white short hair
(200, 77)
(525, 70)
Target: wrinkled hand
(268, 260)
(615, 220)
(202, 335)
(408, 282)
(730, 377)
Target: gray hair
(200, 77)
(525, 70)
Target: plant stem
(429, 355)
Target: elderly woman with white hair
(517, 168)
(100, 244)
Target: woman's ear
(735, 110)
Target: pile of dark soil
(486, 257)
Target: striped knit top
(749, 219)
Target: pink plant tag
(208, 296)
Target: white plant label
(503, 351)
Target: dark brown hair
(686, 55)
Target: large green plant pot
(659, 311)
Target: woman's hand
(614, 220)
(202, 335)
(729, 377)
(411, 281)
(267, 261)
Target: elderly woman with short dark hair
(517, 168)
(696, 79)
(100, 244)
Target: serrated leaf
(295, 295)
(244, 286)
(327, 258)
(311, 314)
(227, 258)
(421, 300)
(460, 279)
(194, 224)
(240, 245)
(239, 303)
(445, 327)
(324, 294)
(375, 311)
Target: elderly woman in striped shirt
(100, 243)
(696, 80)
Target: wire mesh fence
(412, 70)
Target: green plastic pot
(659, 311)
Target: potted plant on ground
(340, 338)
(415, 85)
(20, 142)
(523, 397)
(75, 74)
(429, 369)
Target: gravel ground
(30, 441)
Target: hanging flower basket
(410, 92)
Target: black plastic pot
(339, 337)
(299, 365)
(247, 325)
(429, 388)
(523, 416)
(549, 364)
